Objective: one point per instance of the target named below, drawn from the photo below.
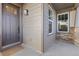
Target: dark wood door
(10, 24)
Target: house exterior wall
(76, 34)
(35, 26)
(70, 34)
(72, 18)
(72, 21)
(77, 17)
(0, 23)
(32, 26)
(48, 39)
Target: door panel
(10, 24)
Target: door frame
(67, 22)
(20, 25)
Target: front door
(10, 25)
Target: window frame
(67, 23)
(50, 8)
(49, 20)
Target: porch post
(76, 39)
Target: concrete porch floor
(59, 48)
(63, 48)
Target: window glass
(62, 22)
(15, 12)
(50, 27)
(62, 27)
(50, 14)
(66, 17)
(8, 8)
(63, 17)
(60, 17)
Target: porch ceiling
(61, 6)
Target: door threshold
(10, 45)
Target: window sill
(50, 34)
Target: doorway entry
(10, 25)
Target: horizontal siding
(32, 25)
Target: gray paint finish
(35, 27)
(0, 25)
(48, 39)
(10, 25)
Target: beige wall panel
(32, 26)
(72, 18)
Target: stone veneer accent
(72, 36)
(67, 36)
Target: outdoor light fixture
(26, 12)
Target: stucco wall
(32, 26)
(0, 23)
(48, 39)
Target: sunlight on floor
(11, 51)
